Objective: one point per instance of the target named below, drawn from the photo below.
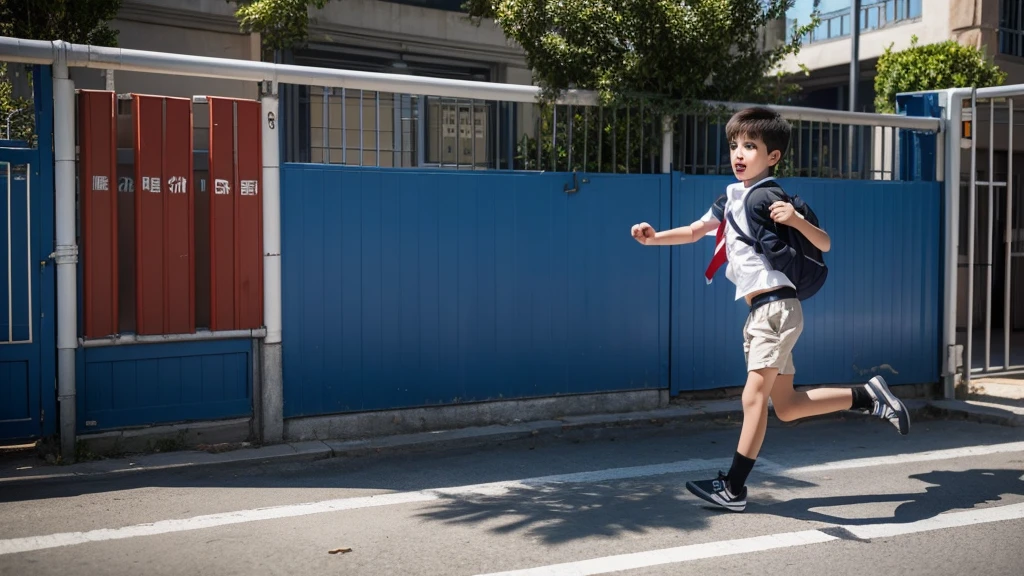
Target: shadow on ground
(946, 491)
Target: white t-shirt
(747, 269)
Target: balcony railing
(873, 16)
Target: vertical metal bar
(861, 164)
(511, 135)
(497, 136)
(440, 130)
(884, 155)
(799, 163)
(1008, 240)
(693, 150)
(600, 137)
(821, 148)
(990, 232)
(615, 140)
(344, 127)
(831, 150)
(569, 167)
(707, 134)
(28, 237)
(327, 126)
(641, 154)
(554, 137)
(10, 261)
(398, 111)
(361, 127)
(472, 129)
(537, 136)
(629, 151)
(971, 231)
(586, 136)
(718, 145)
(682, 143)
(376, 117)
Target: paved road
(827, 497)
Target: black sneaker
(718, 493)
(887, 406)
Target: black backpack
(800, 260)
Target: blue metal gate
(408, 288)
(27, 350)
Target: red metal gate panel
(236, 223)
(97, 141)
(163, 215)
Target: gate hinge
(65, 254)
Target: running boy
(758, 138)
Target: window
(1011, 28)
(367, 128)
(835, 16)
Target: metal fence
(372, 128)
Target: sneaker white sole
(714, 499)
(881, 389)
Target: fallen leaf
(339, 551)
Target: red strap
(720, 256)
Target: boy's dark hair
(763, 123)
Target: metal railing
(818, 149)
(358, 127)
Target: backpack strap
(739, 231)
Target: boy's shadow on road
(948, 491)
(557, 513)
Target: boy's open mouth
(739, 167)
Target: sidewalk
(31, 468)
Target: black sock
(862, 400)
(741, 467)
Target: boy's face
(751, 159)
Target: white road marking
(33, 543)
(675, 555)
(950, 454)
(763, 543)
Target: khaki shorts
(770, 333)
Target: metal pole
(854, 52)
(971, 231)
(1008, 239)
(272, 406)
(990, 232)
(66, 253)
(954, 111)
(666, 144)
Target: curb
(720, 411)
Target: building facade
(996, 26)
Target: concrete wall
(199, 27)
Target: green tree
(936, 66)
(78, 21)
(281, 24)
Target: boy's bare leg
(792, 404)
(755, 410)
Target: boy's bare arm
(645, 234)
(784, 213)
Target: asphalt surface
(828, 497)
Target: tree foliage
(78, 21)
(936, 66)
(664, 53)
(281, 24)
